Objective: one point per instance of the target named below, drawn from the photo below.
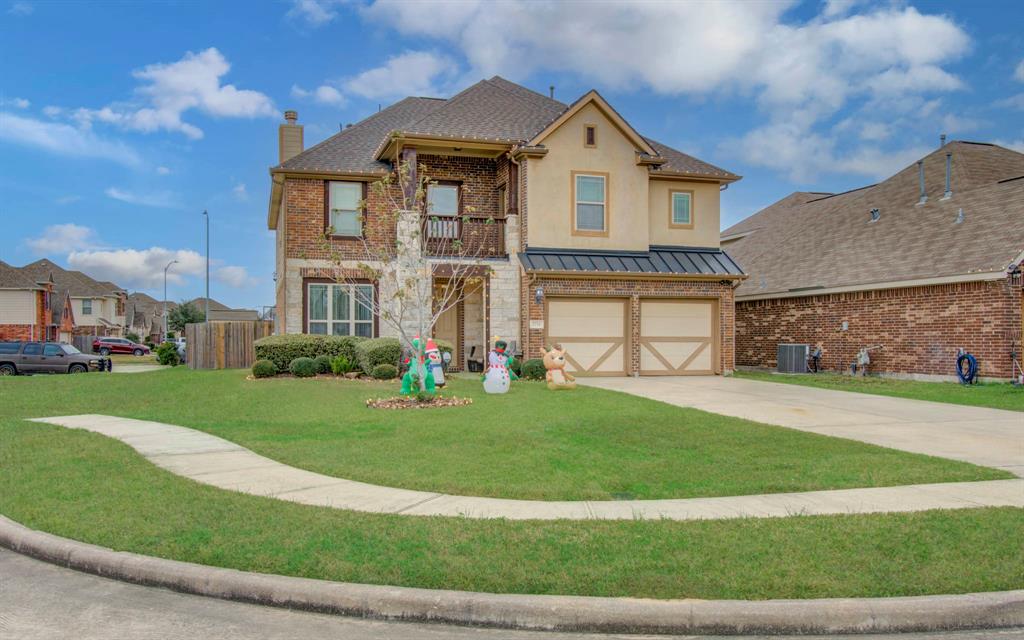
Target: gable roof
(492, 110)
(594, 98)
(810, 242)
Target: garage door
(678, 337)
(593, 333)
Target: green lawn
(991, 394)
(532, 443)
(88, 487)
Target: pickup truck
(46, 357)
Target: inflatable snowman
(435, 362)
(497, 379)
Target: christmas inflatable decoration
(554, 361)
(434, 362)
(497, 377)
(417, 370)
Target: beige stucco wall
(82, 318)
(17, 307)
(550, 190)
(706, 202)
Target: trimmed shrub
(303, 367)
(341, 365)
(385, 371)
(167, 354)
(370, 353)
(533, 369)
(323, 364)
(264, 369)
(282, 349)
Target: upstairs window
(589, 135)
(443, 203)
(591, 194)
(343, 211)
(681, 209)
(87, 307)
(340, 309)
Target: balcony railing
(464, 236)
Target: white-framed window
(591, 194)
(682, 208)
(340, 309)
(443, 203)
(87, 307)
(345, 217)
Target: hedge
(281, 350)
(370, 353)
(534, 369)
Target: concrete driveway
(988, 437)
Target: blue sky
(120, 123)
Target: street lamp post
(206, 312)
(164, 337)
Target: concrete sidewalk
(214, 461)
(982, 436)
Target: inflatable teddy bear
(557, 376)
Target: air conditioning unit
(792, 358)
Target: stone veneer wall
(634, 290)
(921, 328)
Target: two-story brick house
(82, 306)
(602, 240)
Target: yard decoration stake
(497, 378)
(418, 374)
(554, 361)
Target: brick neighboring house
(25, 306)
(603, 240)
(85, 306)
(923, 263)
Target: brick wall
(921, 328)
(634, 290)
(19, 332)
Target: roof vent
(875, 215)
(949, 177)
(764, 283)
(960, 216)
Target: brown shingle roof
(810, 241)
(493, 109)
(15, 278)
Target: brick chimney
(289, 137)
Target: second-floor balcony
(466, 236)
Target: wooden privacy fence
(224, 345)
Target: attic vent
(764, 283)
(959, 216)
(875, 215)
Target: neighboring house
(93, 307)
(223, 315)
(25, 306)
(923, 263)
(603, 240)
(144, 316)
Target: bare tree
(424, 263)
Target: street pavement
(40, 601)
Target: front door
(447, 329)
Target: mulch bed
(411, 403)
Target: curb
(549, 613)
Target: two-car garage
(674, 336)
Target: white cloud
(1013, 102)
(138, 268)
(234, 276)
(239, 192)
(62, 238)
(163, 199)
(163, 171)
(315, 13)
(1019, 73)
(835, 8)
(324, 94)
(170, 90)
(63, 139)
(67, 199)
(954, 124)
(409, 73)
(50, 111)
(21, 9)
(17, 103)
(1016, 145)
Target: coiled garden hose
(969, 373)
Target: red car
(107, 346)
